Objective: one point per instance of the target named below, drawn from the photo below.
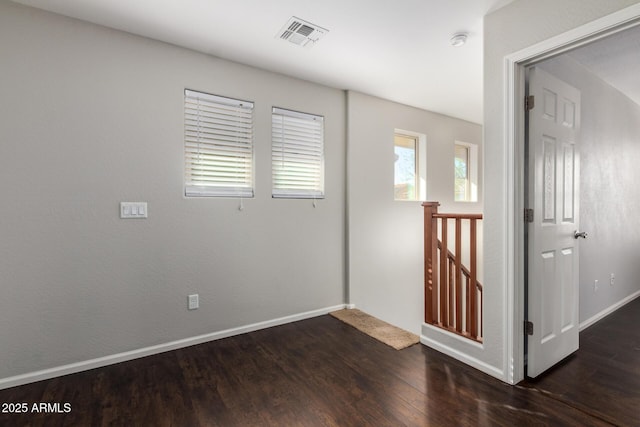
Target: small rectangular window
(297, 154)
(218, 145)
(465, 169)
(462, 184)
(406, 167)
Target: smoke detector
(458, 39)
(301, 32)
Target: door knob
(577, 234)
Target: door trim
(514, 137)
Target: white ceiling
(616, 60)
(394, 49)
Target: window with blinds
(218, 145)
(297, 154)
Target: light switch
(133, 210)
(194, 301)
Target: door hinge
(529, 102)
(528, 215)
(528, 327)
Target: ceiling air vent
(300, 32)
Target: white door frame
(513, 106)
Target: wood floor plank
(322, 372)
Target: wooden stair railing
(452, 293)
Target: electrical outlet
(595, 285)
(613, 279)
(194, 302)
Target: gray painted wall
(90, 117)
(609, 173)
(386, 269)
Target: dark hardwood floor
(323, 372)
(603, 377)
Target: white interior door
(553, 194)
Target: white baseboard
(604, 313)
(464, 358)
(71, 368)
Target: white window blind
(218, 145)
(297, 154)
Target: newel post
(430, 261)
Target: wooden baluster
(473, 313)
(451, 288)
(480, 334)
(444, 292)
(435, 276)
(458, 255)
(430, 265)
(467, 305)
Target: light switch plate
(133, 210)
(194, 301)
